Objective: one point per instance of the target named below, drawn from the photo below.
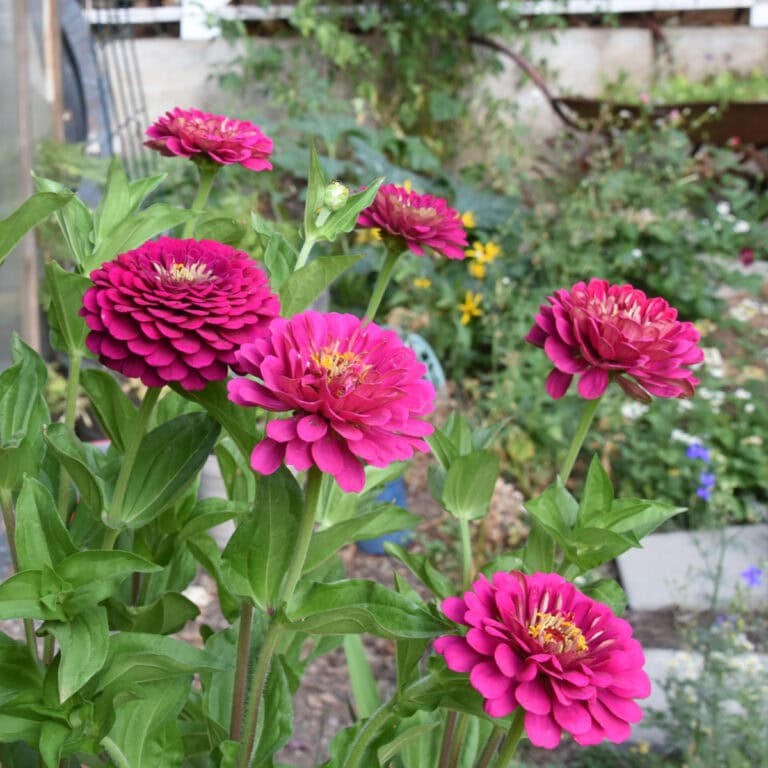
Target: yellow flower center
(343, 370)
(185, 273)
(557, 633)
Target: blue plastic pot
(395, 493)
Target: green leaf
(74, 219)
(223, 229)
(135, 658)
(20, 676)
(257, 556)
(66, 289)
(83, 642)
(21, 598)
(277, 724)
(114, 410)
(354, 606)
(638, 516)
(74, 457)
(41, 536)
(597, 495)
(422, 568)
(27, 216)
(382, 519)
(306, 284)
(469, 484)
(555, 509)
(364, 688)
(410, 736)
(608, 592)
(231, 416)
(208, 513)
(166, 615)
(443, 448)
(52, 738)
(279, 256)
(145, 729)
(345, 219)
(140, 188)
(316, 185)
(590, 547)
(135, 230)
(169, 458)
(539, 554)
(115, 203)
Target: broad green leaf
(21, 597)
(443, 448)
(135, 230)
(608, 592)
(206, 552)
(115, 204)
(145, 730)
(382, 519)
(52, 738)
(19, 674)
(114, 410)
(469, 484)
(74, 457)
(556, 509)
(355, 606)
(27, 216)
(165, 616)
(596, 497)
(307, 283)
(539, 553)
(590, 547)
(223, 229)
(260, 550)
(316, 185)
(169, 458)
(414, 741)
(66, 290)
(218, 687)
(83, 643)
(41, 536)
(239, 479)
(235, 420)
(16, 728)
(364, 688)
(422, 568)
(208, 513)
(279, 255)
(135, 658)
(74, 219)
(638, 516)
(140, 188)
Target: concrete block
(678, 568)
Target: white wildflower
(742, 394)
(633, 410)
(750, 408)
(741, 227)
(683, 437)
(723, 208)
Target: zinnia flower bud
(336, 196)
(602, 332)
(539, 643)
(176, 311)
(354, 393)
(195, 134)
(419, 221)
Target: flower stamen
(558, 633)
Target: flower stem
(448, 731)
(70, 413)
(207, 172)
(129, 459)
(258, 681)
(306, 249)
(513, 738)
(490, 748)
(578, 439)
(9, 519)
(467, 566)
(241, 672)
(261, 670)
(458, 740)
(381, 283)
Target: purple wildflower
(753, 576)
(707, 479)
(698, 451)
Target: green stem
(458, 741)
(466, 554)
(258, 681)
(207, 172)
(306, 527)
(129, 459)
(490, 748)
(70, 413)
(448, 731)
(513, 738)
(578, 439)
(306, 249)
(9, 519)
(241, 672)
(381, 283)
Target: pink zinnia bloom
(354, 391)
(191, 133)
(746, 256)
(603, 331)
(538, 643)
(418, 220)
(176, 310)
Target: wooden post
(52, 53)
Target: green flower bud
(336, 196)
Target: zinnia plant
(601, 332)
(176, 311)
(354, 391)
(537, 644)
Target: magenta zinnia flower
(538, 643)
(192, 133)
(603, 331)
(418, 220)
(176, 310)
(354, 391)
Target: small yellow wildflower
(470, 307)
(468, 219)
(422, 282)
(484, 254)
(363, 236)
(407, 185)
(476, 269)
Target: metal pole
(30, 312)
